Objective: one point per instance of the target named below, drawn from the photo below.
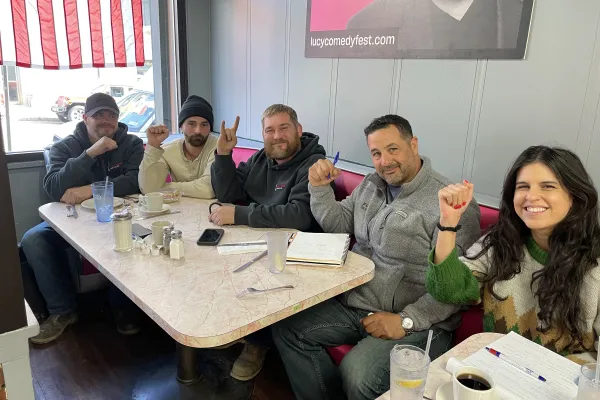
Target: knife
(249, 263)
(157, 215)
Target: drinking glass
(103, 200)
(409, 366)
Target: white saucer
(89, 203)
(165, 208)
(445, 392)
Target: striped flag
(68, 34)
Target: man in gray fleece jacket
(394, 215)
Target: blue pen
(507, 360)
(335, 160)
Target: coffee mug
(152, 202)
(157, 231)
(470, 383)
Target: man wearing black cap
(188, 160)
(99, 147)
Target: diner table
(194, 299)
(438, 376)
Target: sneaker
(127, 323)
(249, 363)
(53, 327)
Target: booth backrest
(242, 154)
(346, 183)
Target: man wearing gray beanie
(187, 160)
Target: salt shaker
(176, 246)
(122, 231)
(167, 238)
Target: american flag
(68, 34)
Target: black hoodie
(276, 194)
(70, 166)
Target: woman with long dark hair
(536, 271)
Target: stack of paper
(513, 384)
(247, 247)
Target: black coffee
(473, 382)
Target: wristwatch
(407, 323)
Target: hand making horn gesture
(227, 138)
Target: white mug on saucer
(152, 202)
(470, 383)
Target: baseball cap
(98, 102)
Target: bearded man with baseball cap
(99, 147)
(186, 160)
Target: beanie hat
(196, 106)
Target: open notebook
(514, 384)
(328, 249)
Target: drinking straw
(597, 369)
(429, 346)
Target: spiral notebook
(328, 249)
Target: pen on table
(335, 160)
(504, 358)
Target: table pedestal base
(187, 365)
(212, 383)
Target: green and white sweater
(455, 281)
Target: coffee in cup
(470, 383)
(473, 381)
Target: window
(138, 114)
(39, 106)
(116, 91)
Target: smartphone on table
(140, 231)
(210, 237)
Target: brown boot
(249, 363)
(53, 327)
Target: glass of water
(589, 389)
(103, 200)
(277, 244)
(409, 366)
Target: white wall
(472, 117)
(197, 20)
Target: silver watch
(407, 323)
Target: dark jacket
(70, 166)
(276, 194)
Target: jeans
(364, 372)
(46, 253)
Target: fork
(71, 212)
(253, 290)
